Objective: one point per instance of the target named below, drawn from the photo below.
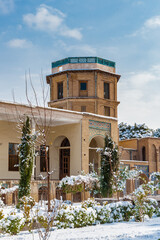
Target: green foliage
(109, 165)
(151, 207)
(83, 217)
(64, 218)
(103, 214)
(140, 200)
(13, 224)
(26, 157)
(89, 203)
(26, 204)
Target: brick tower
(84, 84)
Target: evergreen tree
(156, 133)
(26, 157)
(109, 165)
(127, 131)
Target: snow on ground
(148, 230)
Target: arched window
(154, 153)
(65, 143)
(64, 158)
(143, 153)
(43, 193)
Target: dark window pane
(83, 86)
(106, 90)
(13, 157)
(60, 90)
(43, 166)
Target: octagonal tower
(84, 84)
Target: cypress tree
(26, 157)
(109, 164)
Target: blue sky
(35, 33)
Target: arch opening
(94, 156)
(64, 158)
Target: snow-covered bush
(151, 206)
(26, 204)
(89, 203)
(84, 217)
(126, 210)
(79, 183)
(71, 216)
(116, 215)
(103, 214)
(13, 223)
(65, 218)
(140, 200)
(121, 211)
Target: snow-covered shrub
(13, 223)
(151, 206)
(79, 183)
(140, 199)
(64, 218)
(26, 204)
(90, 202)
(84, 217)
(121, 211)
(44, 219)
(103, 213)
(126, 210)
(116, 215)
(71, 216)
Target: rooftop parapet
(71, 63)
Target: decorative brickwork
(99, 128)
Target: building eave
(48, 77)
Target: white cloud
(52, 21)
(139, 97)
(149, 24)
(19, 43)
(153, 22)
(6, 6)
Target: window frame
(43, 167)
(105, 110)
(60, 90)
(83, 108)
(106, 93)
(13, 157)
(83, 92)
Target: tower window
(83, 108)
(60, 90)
(106, 90)
(83, 86)
(107, 111)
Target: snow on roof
(61, 110)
